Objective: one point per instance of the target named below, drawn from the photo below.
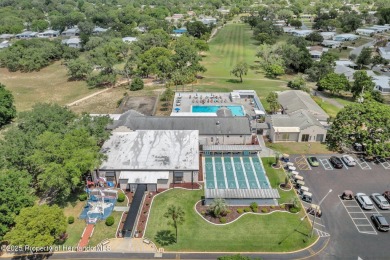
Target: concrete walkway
(265, 151)
(121, 208)
(131, 245)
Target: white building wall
(225, 139)
(312, 131)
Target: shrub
(254, 206)
(203, 212)
(228, 211)
(222, 220)
(70, 220)
(247, 209)
(264, 210)
(255, 210)
(283, 206)
(121, 197)
(83, 197)
(240, 211)
(136, 84)
(110, 221)
(294, 210)
(272, 207)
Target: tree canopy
(38, 226)
(240, 69)
(7, 108)
(367, 123)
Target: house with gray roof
(385, 52)
(212, 130)
(382, 84)
(26, 35)
(6, 36)
(302, 120)
(98, 30)
(5, 44)
(49, 34)
(72, 42)
(299, 126)
(155, 158)
(294, 100)
(71, 32)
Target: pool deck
(183, 102)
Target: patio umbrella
(177, 109)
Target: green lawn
(276, 177)
(76, 229)
(232, 44)
(277, 232)
(299, 148)
(102, 231)
(48, 85)
(330, 109)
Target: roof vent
(217, 123)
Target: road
(357, 50)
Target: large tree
(61, 161)
(361, 83)
(272, 100)
(334, 83)
(175, 216)
(7, 108)
(15, 193)
(38, 226)
(240, 69)
(197, 29)
(367, 123)
(364, 57)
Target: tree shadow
(233, 81)
(165, 237)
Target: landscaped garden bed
(144, 213)
(234, 212)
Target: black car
(380, 222)
(336, 162)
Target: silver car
(380, 201)
(348, 160)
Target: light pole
(315, 212)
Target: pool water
(236, 110)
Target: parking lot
(348, 226)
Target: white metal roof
(143, 177)
(152, 150)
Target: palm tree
(218, 206)
(175, 216)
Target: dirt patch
(143, 104)
(232, 212)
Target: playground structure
(100, 204)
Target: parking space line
(326, 164)
(363, 164)
(345, 165)
(353, 219)
(384, 163)
(302, 164)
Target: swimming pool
(236, 110)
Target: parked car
(380, 222)
(364, 201)
(380, 201)
(313, 161)
(385, 69)
(347, 195)
(314, 209)
(348, 160)
(336, 162)
(306, 196)
(386, 194)
(358, 147)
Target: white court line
(368, 232)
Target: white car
(364, 201)
(380, 201)
(348, 160)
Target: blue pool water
(236, 110)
